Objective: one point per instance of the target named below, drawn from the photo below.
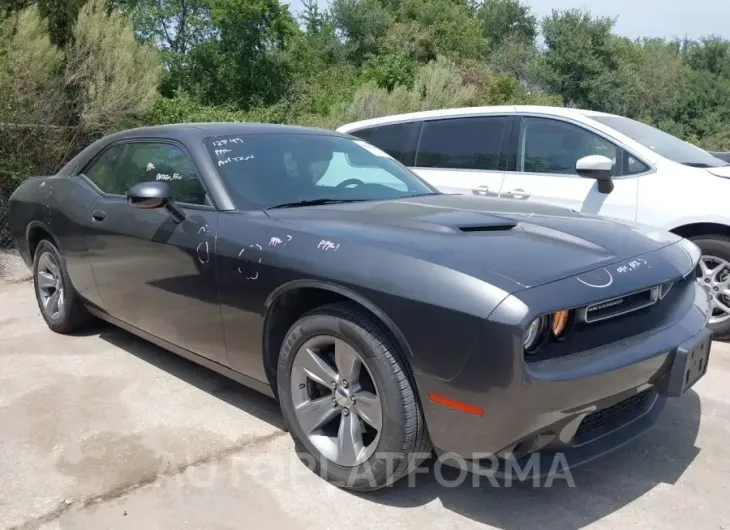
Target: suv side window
(124, 165)
(396, 140)
(462, 143)
(554, 146)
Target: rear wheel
(714, 275)
(348, 401)
(57, 299)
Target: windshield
(268, 170)
(660, 142)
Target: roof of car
(471, 111)
(220, 129)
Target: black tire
(404, 442)
(72, 316)
(717, 246)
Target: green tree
(313, 17)
(451, 25)
(172, 25)
(245, 61)
(363, 23)
(586, 64)
(711, 54)
(175, 27)
(60, 15)
(507, 19)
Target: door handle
(98, 215)
(518, 193)
(483, 191)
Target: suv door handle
(484, 191)
(518, 193)
(98, 215)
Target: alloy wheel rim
(336, 401)
(50, 286)
(714, 276)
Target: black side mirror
(596, 167)
(154, 194)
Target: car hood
(528, 244)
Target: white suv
(591, 162)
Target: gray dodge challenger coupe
(389, 320)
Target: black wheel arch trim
(43, 226)
(390, 326)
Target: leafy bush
(30, 87)
(111, 76)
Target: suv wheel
(714, 275)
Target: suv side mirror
(596, 167)
(154, 194)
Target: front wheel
(348, 401)
(714, 275)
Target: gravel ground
(12, 268)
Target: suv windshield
(660, 142)
(268, 170)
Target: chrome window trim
(453, 169)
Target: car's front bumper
(580, 406)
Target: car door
(463, 154)
(153, 273)
(547, 150)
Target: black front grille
(613, 417)
(621, 305)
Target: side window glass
(124, 165)
(393, 139)
(168, 163)
(462, 143)
(102, 172)
(632, 166)
(552, 146)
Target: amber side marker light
(456, 405)
(559, 323)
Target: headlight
(535, 334)
(559, 323)
(554, 325)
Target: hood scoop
(507, 224)
(457, 220)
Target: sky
(639, 18)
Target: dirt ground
(104, 430)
